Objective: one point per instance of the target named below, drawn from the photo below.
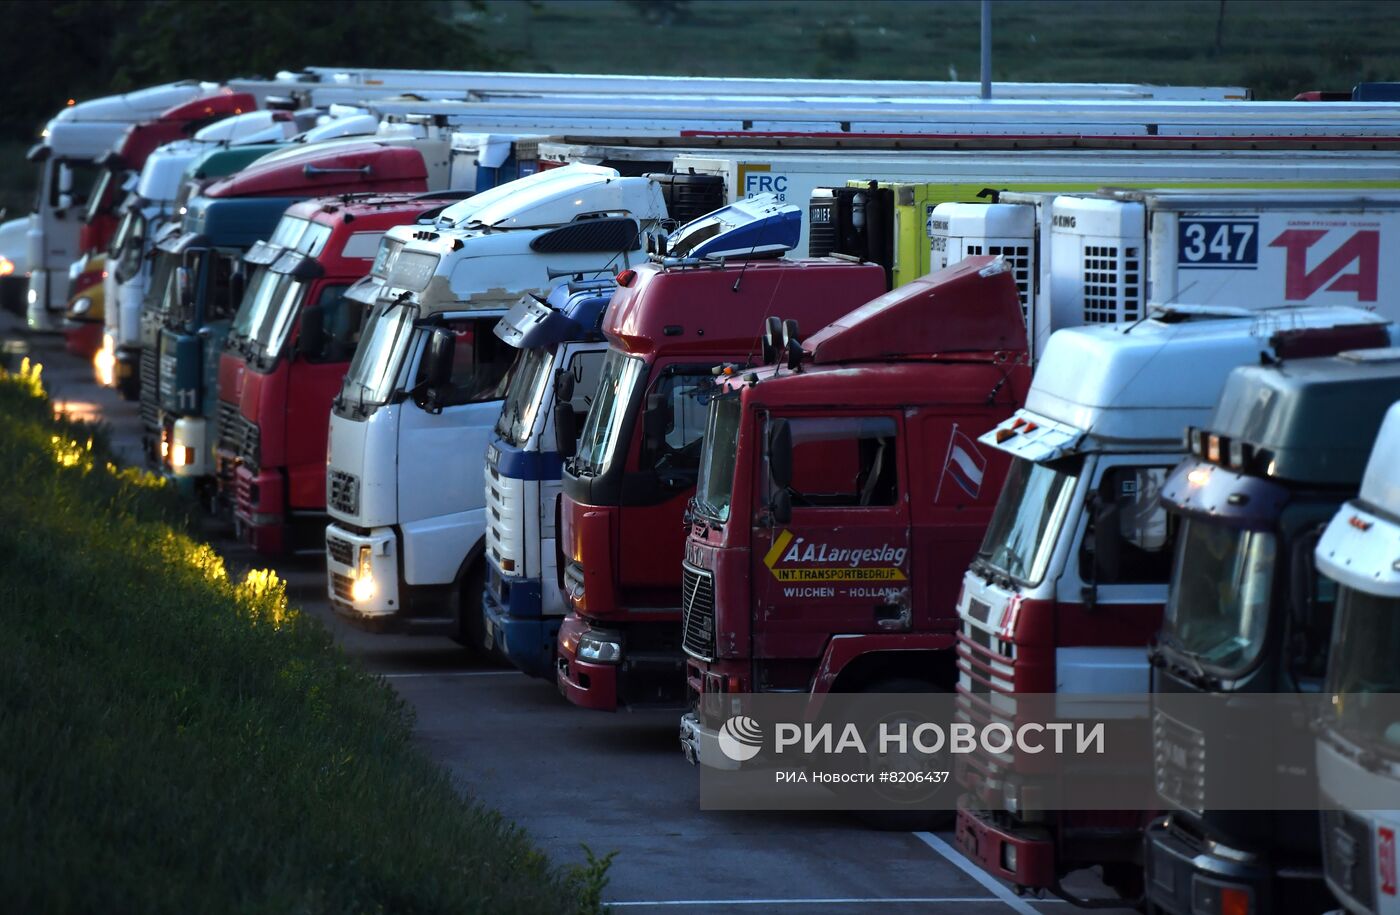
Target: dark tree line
(54, 51)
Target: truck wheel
(939, 812)
(471, 619)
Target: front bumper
(584, 683)
(259, 503)
(1021, 854)
(1184, 878)
(382, 608)
(514, 626)
(700, 744)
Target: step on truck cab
(669, 326)
(287, 351)
(556, 338)
(859, 442)
(204, 284)
(1357, 758)
(405, 547)
(1067, 588)
(1249, 616)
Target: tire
(471, 617)
(909, 820)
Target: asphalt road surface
(614, 783)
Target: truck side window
(843, 461)
(585, 366)
(681, 406)
(342, 322)
(1146, 532)
(480, 362)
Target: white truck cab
(66, 156)
(405, 546)
(1358, 750)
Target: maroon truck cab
(277, 378)
(131, 152)
(626, 489)
(842, 577)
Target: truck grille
(342, 585)
(986, 681)
(339, 550)
(227, 438)
(697, 612)
(1179, 762)
(1346, 851)
(245, 441)
(150, 411)
(166, 383)
(343, 492)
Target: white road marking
(835, 901)
(993, 885)
(454, 673)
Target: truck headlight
(81, 306)
(1008, 857)
(363, 588)
(600, 646)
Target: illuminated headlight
(600, 646)
(81, 306)
(33, 296)
(105, 362)
(187, 446)
(7, 266)
(363, 588)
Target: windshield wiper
(1195, 674)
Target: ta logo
(741, 738)
(1361, 249)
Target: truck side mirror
(781, 507)
(780, 454)
(565, 428)
(184, 286)
(1108, 552)
(437, 367)
(312, 339)
(656, 421)
(772, 339)
(237, 285)
(564, 385)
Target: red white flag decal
(964, 465)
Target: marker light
(7, 266)
(1236, 451)
(1199, 476)
(626, 278)
(1213, 449)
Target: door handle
(893, 617)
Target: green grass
(172, 740)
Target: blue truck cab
(561, 349)
(206, 286)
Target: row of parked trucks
(594, 386)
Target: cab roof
(389, 209)
(1145, 382)
(577, 175)
(721, 309)
(971, 307)
(1317, 418)
(358, 167)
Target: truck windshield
(370, 378)
(525, 395)
(1029, 516)
(1218, 606)
(1362, 669)
(101, 189)
(261, 288)
(715, 487)
(126, 248)
(617, 381)
(271, 332)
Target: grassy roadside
(173, 740)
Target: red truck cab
(132, 150)
(841, 494)
(279, 374)
(626, 488)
